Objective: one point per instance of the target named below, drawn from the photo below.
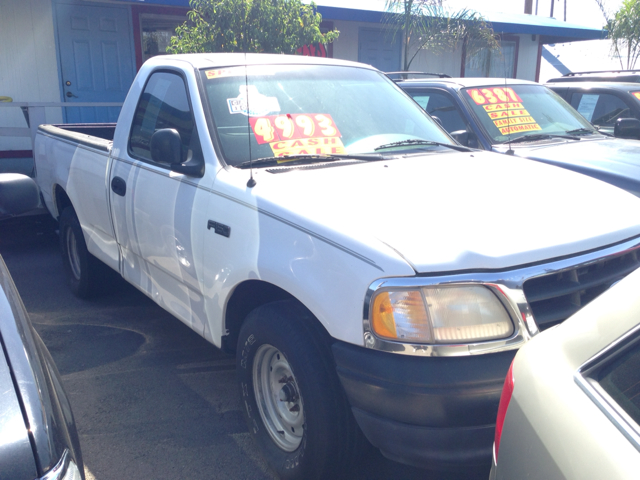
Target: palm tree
(427, 24)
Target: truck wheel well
(62, 200)
(246, 297)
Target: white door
(160, 216)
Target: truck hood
(454, 211)
(612, 160)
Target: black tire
(83, 269)
(323, 440)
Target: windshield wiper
(304, 159)
(537, 136)
(415, 141)
(578, 131)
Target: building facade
(70, 51)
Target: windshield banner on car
(239, 71)
(505, 109)
(298, 134)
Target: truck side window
(163, 104)
(441, 106)
(600, 108)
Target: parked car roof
(212, 60)
(465, 82)
(601, 75)
(621, 86)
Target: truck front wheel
(80, 266)
(295, 407)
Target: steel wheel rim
(278, 398)
(72, 253)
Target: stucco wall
(449, 62)
(346, 48)
(528, 57)
(28, 63)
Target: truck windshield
(264, 111)
(523, 110)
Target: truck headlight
(440, 314)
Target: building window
(157, 31)
(153, 28)
(493, 63)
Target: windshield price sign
(298, 134)
(505, 109)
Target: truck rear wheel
(295, 406)
(81, 267)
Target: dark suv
(602, 103)
(526, 119)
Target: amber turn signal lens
(382, 318)
(401, 315)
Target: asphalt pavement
(151, 398)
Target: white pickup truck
(371, 275)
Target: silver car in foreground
(38, 436)
(570, 408)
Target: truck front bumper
(430, 412)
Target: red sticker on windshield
(295, 126)
(294, 134)
(492, 95)
(505, 109)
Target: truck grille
(556, 296)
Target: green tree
(269, 26)
(428, 25)
(624, 32)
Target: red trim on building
(319, 49)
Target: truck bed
(96, 135)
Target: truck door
(159, 215)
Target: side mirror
(18, 194)
(461, 136)
(627, 128)
(166, 147)
(466, 138)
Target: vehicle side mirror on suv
(18, 194)
(627, 128)
(466, 138)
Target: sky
(580, 12)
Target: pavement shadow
(91, 345)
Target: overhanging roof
(372, 11)
(550, 29)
